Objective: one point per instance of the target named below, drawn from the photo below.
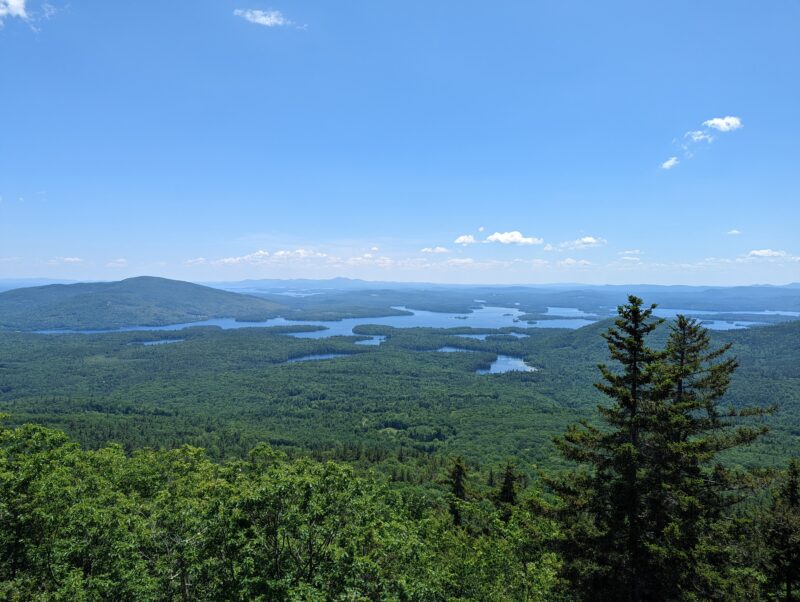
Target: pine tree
(506, 497)
(602, 507)
(783, 536)
(646, 516)
(687, 490)
(458, 488)
(508, 488)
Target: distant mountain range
(141, 301)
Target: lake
(507, 363)
(484, 318)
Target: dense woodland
(210, 469)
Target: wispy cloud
(267, 18)
(699, 136)
(670, 163)
(255, 257)
(707, 135)
(435, 250)
(21, 9)
(65, 260)
(117, 263)
(584, 242)
(262, 257)
(515, 237)
(734, 232)
(767, 253)
(302, 254)
(461, 261)
(465, 239)
(569, 262)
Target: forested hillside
(655, 497)
(228, 390)
(141, 301)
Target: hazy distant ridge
(141, 301)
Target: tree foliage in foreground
(173, 525)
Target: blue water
(482, 337)
(483, 318)
(449, 349)
(725, 325)
(569, 323)
(373, 340)
(568, 312)
(507, 363)
(666, 312)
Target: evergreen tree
(783, 536)
(686, 489)
(508, 488)
(458, 488)
(506, 496)
(602, 508)
(645, 518)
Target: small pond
(507, 363)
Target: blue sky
(557, 141)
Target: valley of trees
(433, 484)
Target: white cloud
(65, 260)
(374, 249)
(631, 258)
(707, 134)
(117, 263)
(262, 257)
(724, 124)
(514, 237)
(465, 239)
(300, 254)
(196, 261)
(670, 163)
(767, 253)
(584, 242)
(699, 136)
(267, 18)
(630, 252)
(461, 262)
(734, 232)
(570, 262)
(481, 229)
(12, 8)
(435, 250)
(257, 257)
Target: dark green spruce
(644, 517)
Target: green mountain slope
(141, 301)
